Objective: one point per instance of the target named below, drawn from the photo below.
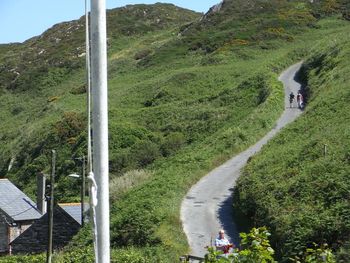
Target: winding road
(207, 207)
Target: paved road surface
(207, 207)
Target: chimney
(40, 196)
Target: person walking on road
(300, 100)
(291, 99)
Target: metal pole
(325, 150)
(100, 125)
(88, 105)
(51, 202)
(82, 191)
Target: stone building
(24, 224)
(35, 238)
(17, 213)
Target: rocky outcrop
(214, 9)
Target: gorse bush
(70, 126)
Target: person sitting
(222, 243)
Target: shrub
(79, 89)
(135, 224)
(142, 54)
(23, 259)
(144, 153)
(160, 96)
(17, 109)
(316, 254)
(173, 142)
(255, 247)
(343, 255)
(70, 126)
(121, 161)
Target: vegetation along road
(207, 207)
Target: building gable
(35, 238)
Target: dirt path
(207, 207)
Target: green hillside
(295, 186)
(185, 94)
(43, 87)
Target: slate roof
(74, 210)
(15, 204)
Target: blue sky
(23, 19)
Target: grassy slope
(172, 178)
(187, 110)
(302, 195)
(42, 108)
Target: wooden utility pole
(51, 207)
(82, 193)
(88, 88)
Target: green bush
(70, 126)
(316, 255)
(144, 153)
(79, 90)
(343, 255)
(255, 247)
(142, 54)
(172, 143)
(23, 259)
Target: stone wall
(17, 229)
(35, 238)
(9, 231)
(3, 236)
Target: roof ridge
(67, 204)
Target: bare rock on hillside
(214, 9)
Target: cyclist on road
(291, 99)
(300, 100)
